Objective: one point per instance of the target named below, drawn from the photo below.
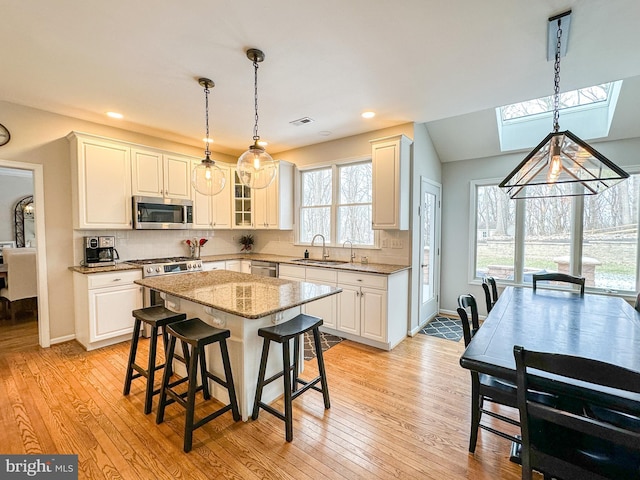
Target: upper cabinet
(101, 182)
(213, 212)
(390, 158)
(273, 206)
(241, 205)
(160, 174)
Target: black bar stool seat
(196, 334)
(282, 334)
(157, 317)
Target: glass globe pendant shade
(256, 169)
(207, 178)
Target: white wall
(456, 217)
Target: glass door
(429, 249)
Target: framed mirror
(24, 219)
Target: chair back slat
(558, 277)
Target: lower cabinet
(103, 305)
(361, 312)
(362, 305)
(208, 266)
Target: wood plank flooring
(402, 414)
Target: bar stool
(197, 334)
(156, 317)
(282, 334)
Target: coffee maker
(99, 251)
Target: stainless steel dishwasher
(266, 269)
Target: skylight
(587, 112)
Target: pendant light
(207, 178)
(567, 165)
(256, 169)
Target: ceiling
(408, 60)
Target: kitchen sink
(312, 261)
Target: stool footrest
(307, 385)
(211, 416)
(272, 410)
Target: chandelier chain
(255, 100)
(206, 117)
(556, 80)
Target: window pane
(354, 224)
(495, 235)
(611, 237)
(547, 242)
(315, 220)
(316, 187)
(355, 183)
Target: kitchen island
(241, 303)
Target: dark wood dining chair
(490, 292)
(563, 441)
(558, 277)
(484, 387)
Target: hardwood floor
(401, 414)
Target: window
(588, 112)
(548, 237)
(336, 202)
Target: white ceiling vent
(301, 121)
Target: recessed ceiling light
(325, 133)
(368, 114)
(115, 115)
(209, 140)
(262, 143)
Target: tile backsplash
(135, 244)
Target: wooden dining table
(600, 327)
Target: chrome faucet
(325, 252)
(352, 256)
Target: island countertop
(242, 294)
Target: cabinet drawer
(208, 266)
(291, 271)
(112, 279)
(322, 275)
(363, 280)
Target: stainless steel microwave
(151, 213)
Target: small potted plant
(247, 242)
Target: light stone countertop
(119, 267)
(377, 268)
(242, 294)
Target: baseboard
(66, 338)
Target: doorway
(429, 213)
(36, 170)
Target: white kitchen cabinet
(160, 174)
(364, 313)
(233, 265)
(390, 161)
(245, 266)
(101, 183)
(325, 308)
(213, 212)
(273, 206)
(362, 305)
(241, 203)
(291, 272)
(208, 266)
(103, 304)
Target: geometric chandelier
(562, 164)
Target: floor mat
(443, 327)
(326, 340)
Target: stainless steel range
(152, 267)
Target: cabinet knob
(116, 279)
